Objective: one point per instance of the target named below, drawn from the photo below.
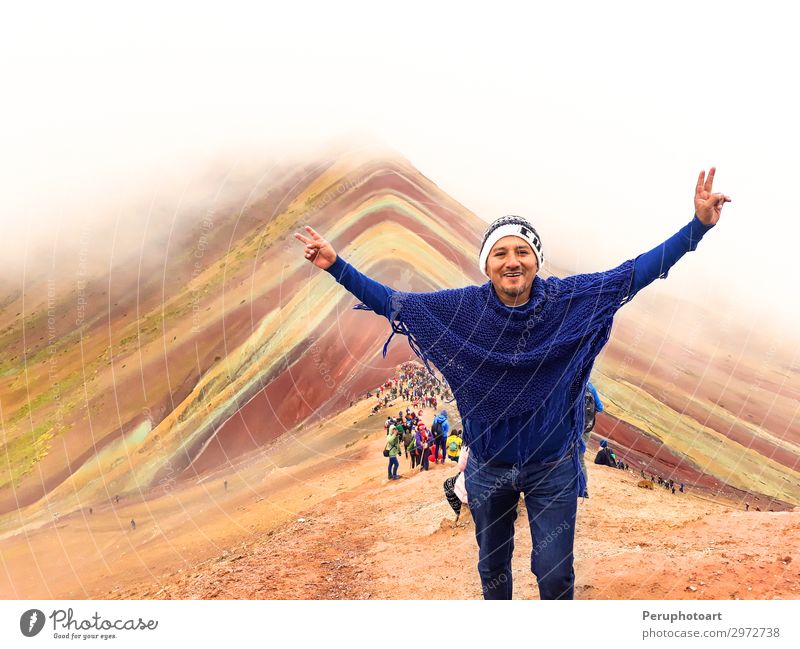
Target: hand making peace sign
(318, 251)
(708, 206)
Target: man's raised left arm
(657, 262)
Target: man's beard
(514, 292)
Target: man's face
(511, 267)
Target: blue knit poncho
(505, 361)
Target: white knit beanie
(505, 226)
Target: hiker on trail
(440, 429)
(454, 489)
(410, 444)
(410, 424)
(591, 406)
(407, 436)
(423, 445)
(133, 524)
(517, 352)
(682, 488)
(605, 456)
(454, 442)
(392, 450)
(400, 431)
(225, 484)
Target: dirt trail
(396, 540)
(333, 527)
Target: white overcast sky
(592, 119)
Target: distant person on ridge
(592, 405)
(517, 353)
(605, 456)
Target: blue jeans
(393, 464)
(551, 498)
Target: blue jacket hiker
(440, 429)
(517, 352)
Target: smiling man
(517, 352)
(511, 255)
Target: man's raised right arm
(321, 253)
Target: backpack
(453, 446)
(605, 457)
(436, 429)
(412, 445)
(589, 411)
(389, 446)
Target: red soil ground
(333, 527)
